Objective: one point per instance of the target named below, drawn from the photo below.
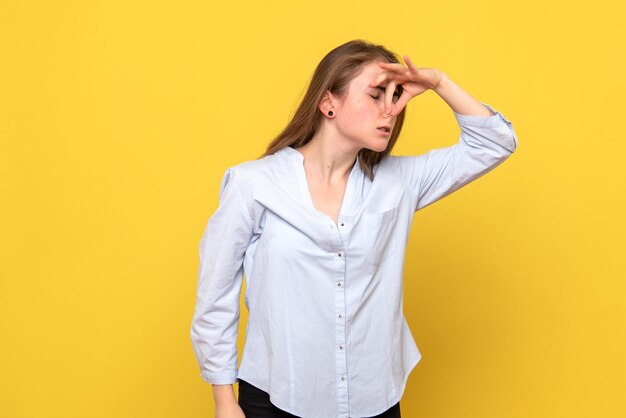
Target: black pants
(255, 403)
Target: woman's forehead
(369, 73)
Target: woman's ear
(327, 104)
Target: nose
(384, 112)
(388, 116)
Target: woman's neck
(327, 161)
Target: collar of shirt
(355, 180)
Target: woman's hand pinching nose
(414, 81)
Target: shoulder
(251, 168)
(400, 170)
(393, 165)
(272, 167)
(246, 173)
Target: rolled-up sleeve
(223, 245)
(485, 142)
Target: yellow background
(118, 119)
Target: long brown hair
(333, 73)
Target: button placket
(339, 264)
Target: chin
(378, 148)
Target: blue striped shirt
(326, 335)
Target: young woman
(319, 224)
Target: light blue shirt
(326, 334)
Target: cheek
(365, 111)
(360, 115)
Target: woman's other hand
(414, 81)
(228, 409)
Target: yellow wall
(118, 119)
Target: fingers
(410, 64)
(396, 74)
(402, 101)
(392, 66)
(379, 79)
(397, 69)
(392, 71)
(389, 92)
(407, 73)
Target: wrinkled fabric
(326, 335)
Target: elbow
(195, 332)
(508, 139)
(502, 152)
(193, 335)
(508, 145)
(513, 143)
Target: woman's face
(360, 114)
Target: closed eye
(396, 94)
(394, 99)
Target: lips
(384, 128)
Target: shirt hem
(399, 393)
(395, 399)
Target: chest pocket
(380, 240)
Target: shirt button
(340, 347)
(343, 378)
(338, 284)
(342, 224)
(339, 254)
(340, 316)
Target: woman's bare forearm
(459, 100)
(224, 393)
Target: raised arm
(485, 142)
(458, 99)
(487, 138)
